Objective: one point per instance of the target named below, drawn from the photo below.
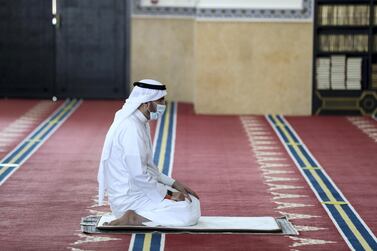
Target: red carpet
(43, 202)
(20, 117)
(213, 155)
(11, 109)
(348, 155)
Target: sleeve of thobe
(134, 158)
(164, 179)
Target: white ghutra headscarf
(137, 97)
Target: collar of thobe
(140, 116)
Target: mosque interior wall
(257, 68)
(163, 49)
(227, 67)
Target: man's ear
(151, 106)
(148, 106)
(144, 106)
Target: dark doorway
(26, 48)
(91, 48)
(85, 53)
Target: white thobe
(134, 181)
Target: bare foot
(128, 218)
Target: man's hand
(178, 196)
(184, 189)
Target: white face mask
(160, 109)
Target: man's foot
(128, 218)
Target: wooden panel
(92, 49)
(26, 48)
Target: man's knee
(191, 215)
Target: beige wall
(163, 49)
(253, 68)
(227, 67)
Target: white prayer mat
(206, 224)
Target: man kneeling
(137, 191)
